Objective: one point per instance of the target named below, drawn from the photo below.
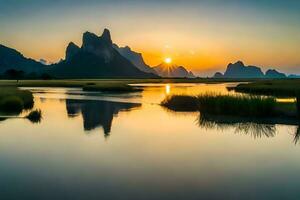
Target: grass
(239, 105)
(181, 103)
(13, 100)
(114, 85)
(281, 88)
(84, 82)
(11, 104)
(110, 87)
(35, 116)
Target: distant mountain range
(98, 57)
(239, 70)
(171, 70)
(135, 58)
(12, 59)
(163, 70)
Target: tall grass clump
(11, 104)
(110, 87)
(25, 95)
(35, 116)
(183, 103)
(240, 105)
(13, 100)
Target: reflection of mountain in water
(97, 113)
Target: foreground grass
(240, 105)
(13, 100)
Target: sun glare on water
(168, 60)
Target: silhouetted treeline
(13, 74)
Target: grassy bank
(240, 105)
(84, 82)
(110, 87)
(13, 100)
(281, 88)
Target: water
(110, 146)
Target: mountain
(96, 58)
(12, 59)
(170, 70)
(135, 58)
(272, 73)
(294, 76)
(239, 70)
(218, 75)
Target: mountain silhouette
(272, 73)
(135, 57)
(171, 70)
(96, 58)
(97, 113)
(12, 59)
(239, 70)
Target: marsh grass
(280, 88)
(181, 103)
(110, 87)
(11, 104)
(35, 116)
(13, 100)
(240, 105)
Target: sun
(168, 60)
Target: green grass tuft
(240, 105)
(35, 116)
(110, 87)
(13, 100)
(11, 104)
(181, 103)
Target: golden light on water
(168, 89)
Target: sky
(203, 35)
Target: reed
(35, 116)
(13, 100)
(240, 105)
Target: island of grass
(279, 87)
(111, 87)
(14, 100)
(228, 105)
(35, 116)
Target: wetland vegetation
(14, 100)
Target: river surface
(91, 145)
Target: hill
(171, 70)
(96, 58)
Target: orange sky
(202, 36)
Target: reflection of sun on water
(168, 89)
